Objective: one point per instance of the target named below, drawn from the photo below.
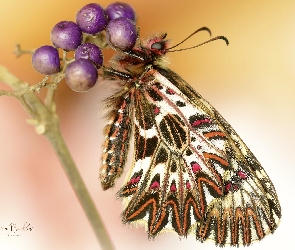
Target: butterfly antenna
(195, 32)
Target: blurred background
(251, 83)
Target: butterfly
(191, 172)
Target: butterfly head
(151, 51)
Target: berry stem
(46, 122)
(19, 52)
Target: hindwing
(191, 172)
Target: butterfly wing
(192, 172)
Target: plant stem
(56, 140)
(46, 122)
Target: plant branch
(57, 142)
(46, 122)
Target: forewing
(192, 172)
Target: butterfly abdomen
(116, 144)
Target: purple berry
(45, 60)
(92, 18)
(91, 52)
(81, 75)
(121, 34)
(66, 35)
(118, 9)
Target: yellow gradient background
(251, 82)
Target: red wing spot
(198, 122)
(173, 188)
(195, 167)
(188, 185)
(155, 185)
(137, 179)
(130, 182)
(170, 91)
(235, 187)
(230, 186)
(156, 110)
(242, 175)
(227, 187)
(134, 180)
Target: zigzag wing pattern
(191, 171)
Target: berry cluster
(118, 22)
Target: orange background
(251, 82)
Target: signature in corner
(13, 230)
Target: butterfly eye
(158, 46)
